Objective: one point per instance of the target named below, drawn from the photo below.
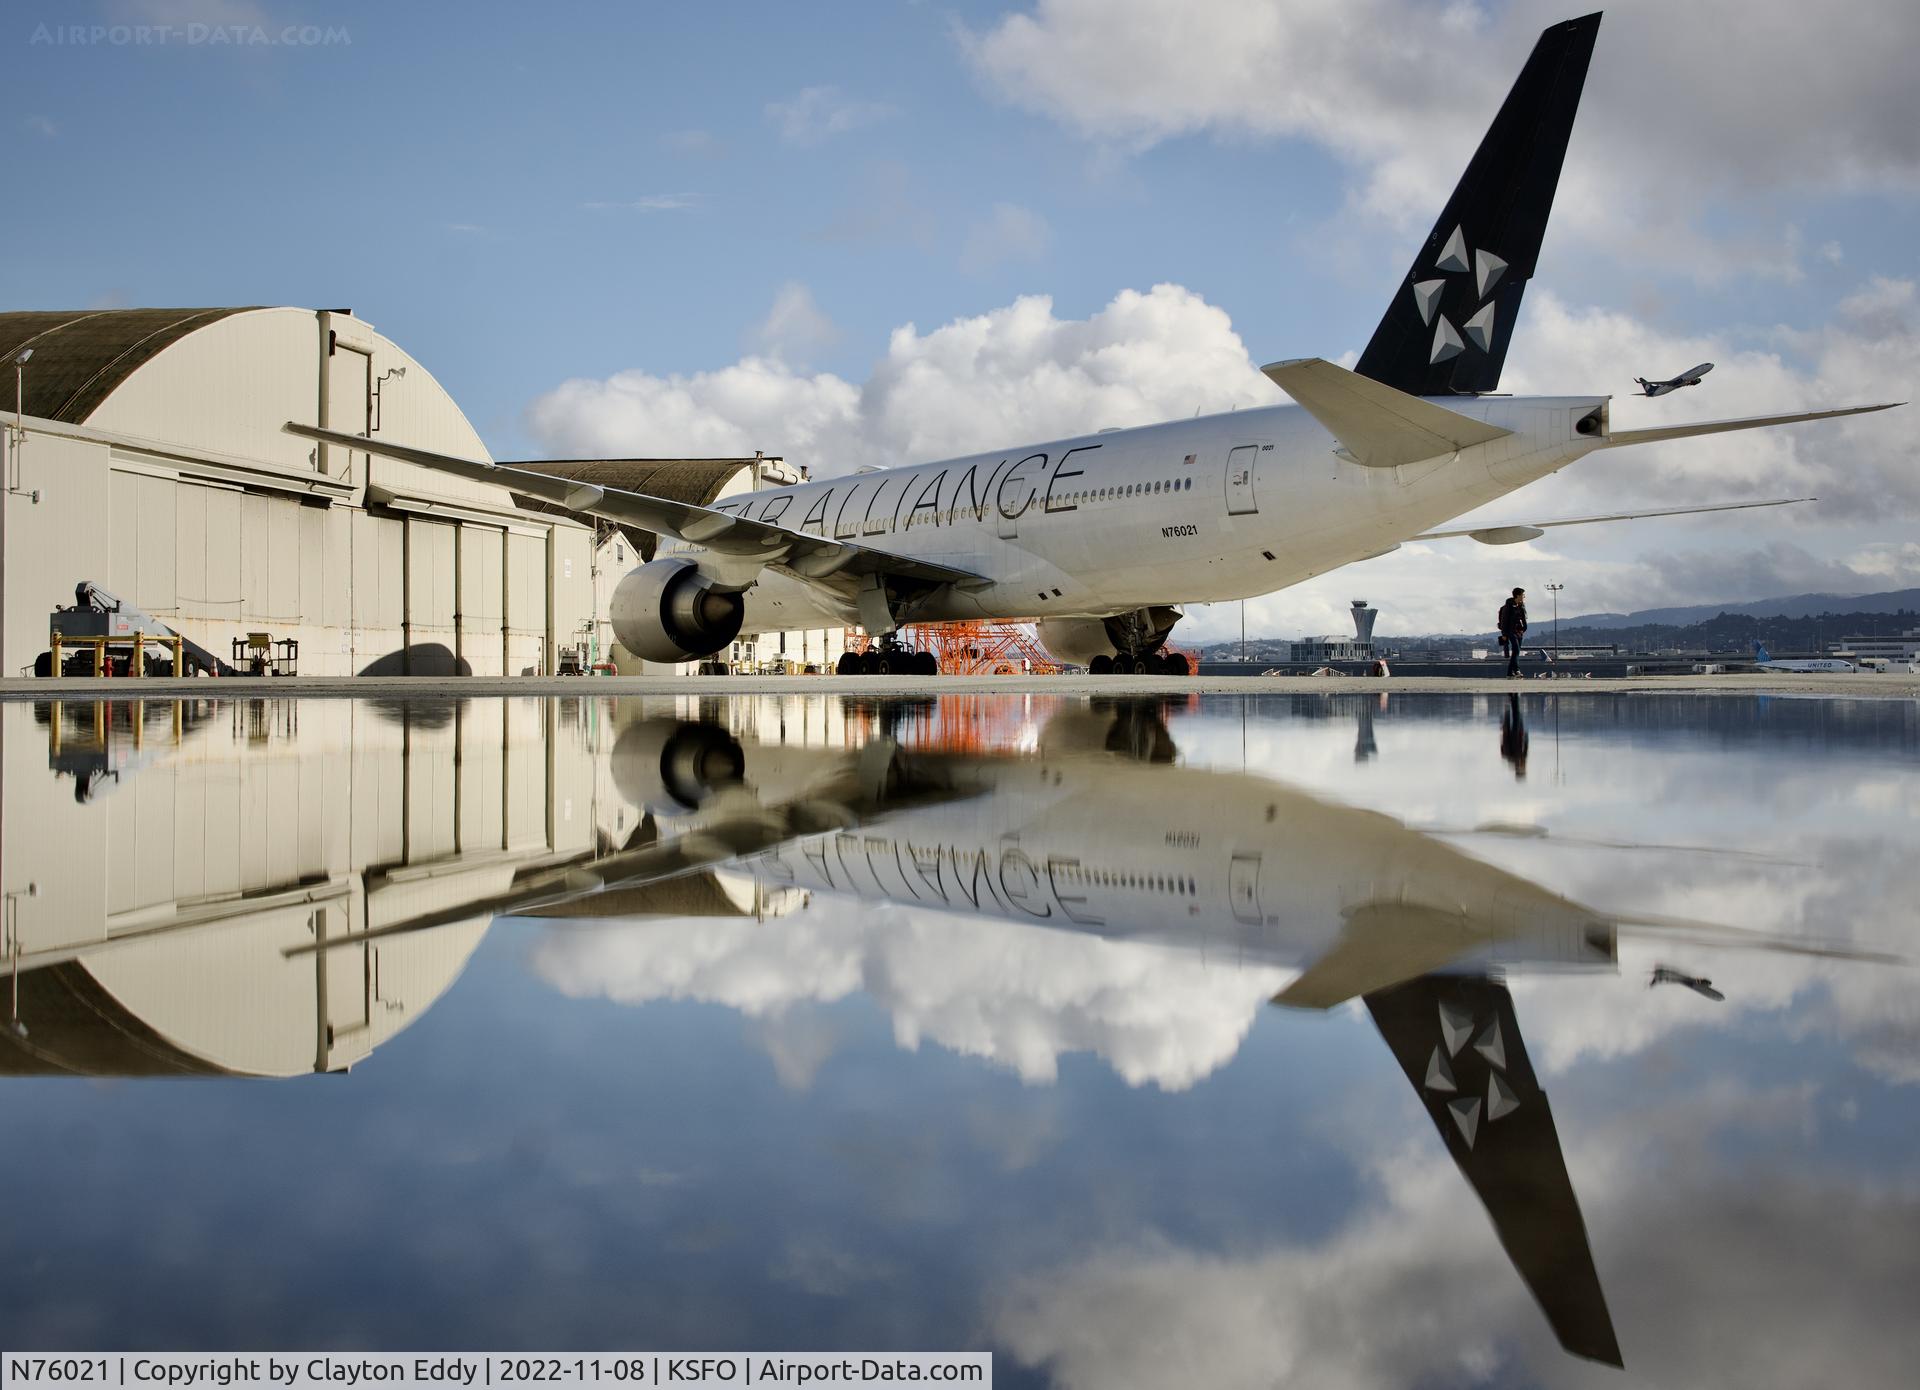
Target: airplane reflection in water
(293, 900)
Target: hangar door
(482, 615)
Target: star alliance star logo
(1457, 1026)
(1454, 260)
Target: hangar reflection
(155, 921)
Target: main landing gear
(1144, 664)
(888, 659)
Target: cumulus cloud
(1017, 996)
(815, 115)
(1009, 233)
(1401, 91)
(1018, 372)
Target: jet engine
(668, 611)
(1080, 641)
(671, 766)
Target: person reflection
(1513, 738)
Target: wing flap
(1378, 426)
(719, 531)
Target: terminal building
(144, 453)
(1903, 649)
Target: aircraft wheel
(926, 664)
(1176, 664)
(849, 664)
(870, 663)
(1101, 665)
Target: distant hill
(1797, 623)
(1792, 606)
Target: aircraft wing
(1620, 438)
(1514, 532)
(1458, 1042)
(807, 556)
(1378, 426)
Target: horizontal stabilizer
(1511, 533)
(1378, 426)
(1751, 422)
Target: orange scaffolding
(973, 648)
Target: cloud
(42, 125)
(816, 114)
(1400, 90)
(1013, 373)
(1018, 996)
(648, 202)
(887, 208)
(1009, 233)
(1752, 1271)
(795, 326)
(695, 144)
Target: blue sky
(644, 201)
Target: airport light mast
(1555, 589)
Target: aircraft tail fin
(1760, 652)
(1458, 1042)
(1447, 329)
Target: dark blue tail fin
(1447, 330)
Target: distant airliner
(1690, 377)
(1102, 537)
(1763, 661)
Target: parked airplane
(1102, 537)
(1690, 377)
(1763, 661)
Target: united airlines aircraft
(1101, 538)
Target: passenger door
(1240, 468)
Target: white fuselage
(1194, 511)
(1818, 663)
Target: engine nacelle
(670, 766)
(1077, 641)
(668, 611)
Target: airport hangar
(146, 454)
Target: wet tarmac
(1352, 1037)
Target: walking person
(1513, 629)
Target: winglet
(1378, 426)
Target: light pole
(1555, 589)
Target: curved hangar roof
(81, 355)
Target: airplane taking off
(1763, 661)
(1102, 537)
(1690, 377)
